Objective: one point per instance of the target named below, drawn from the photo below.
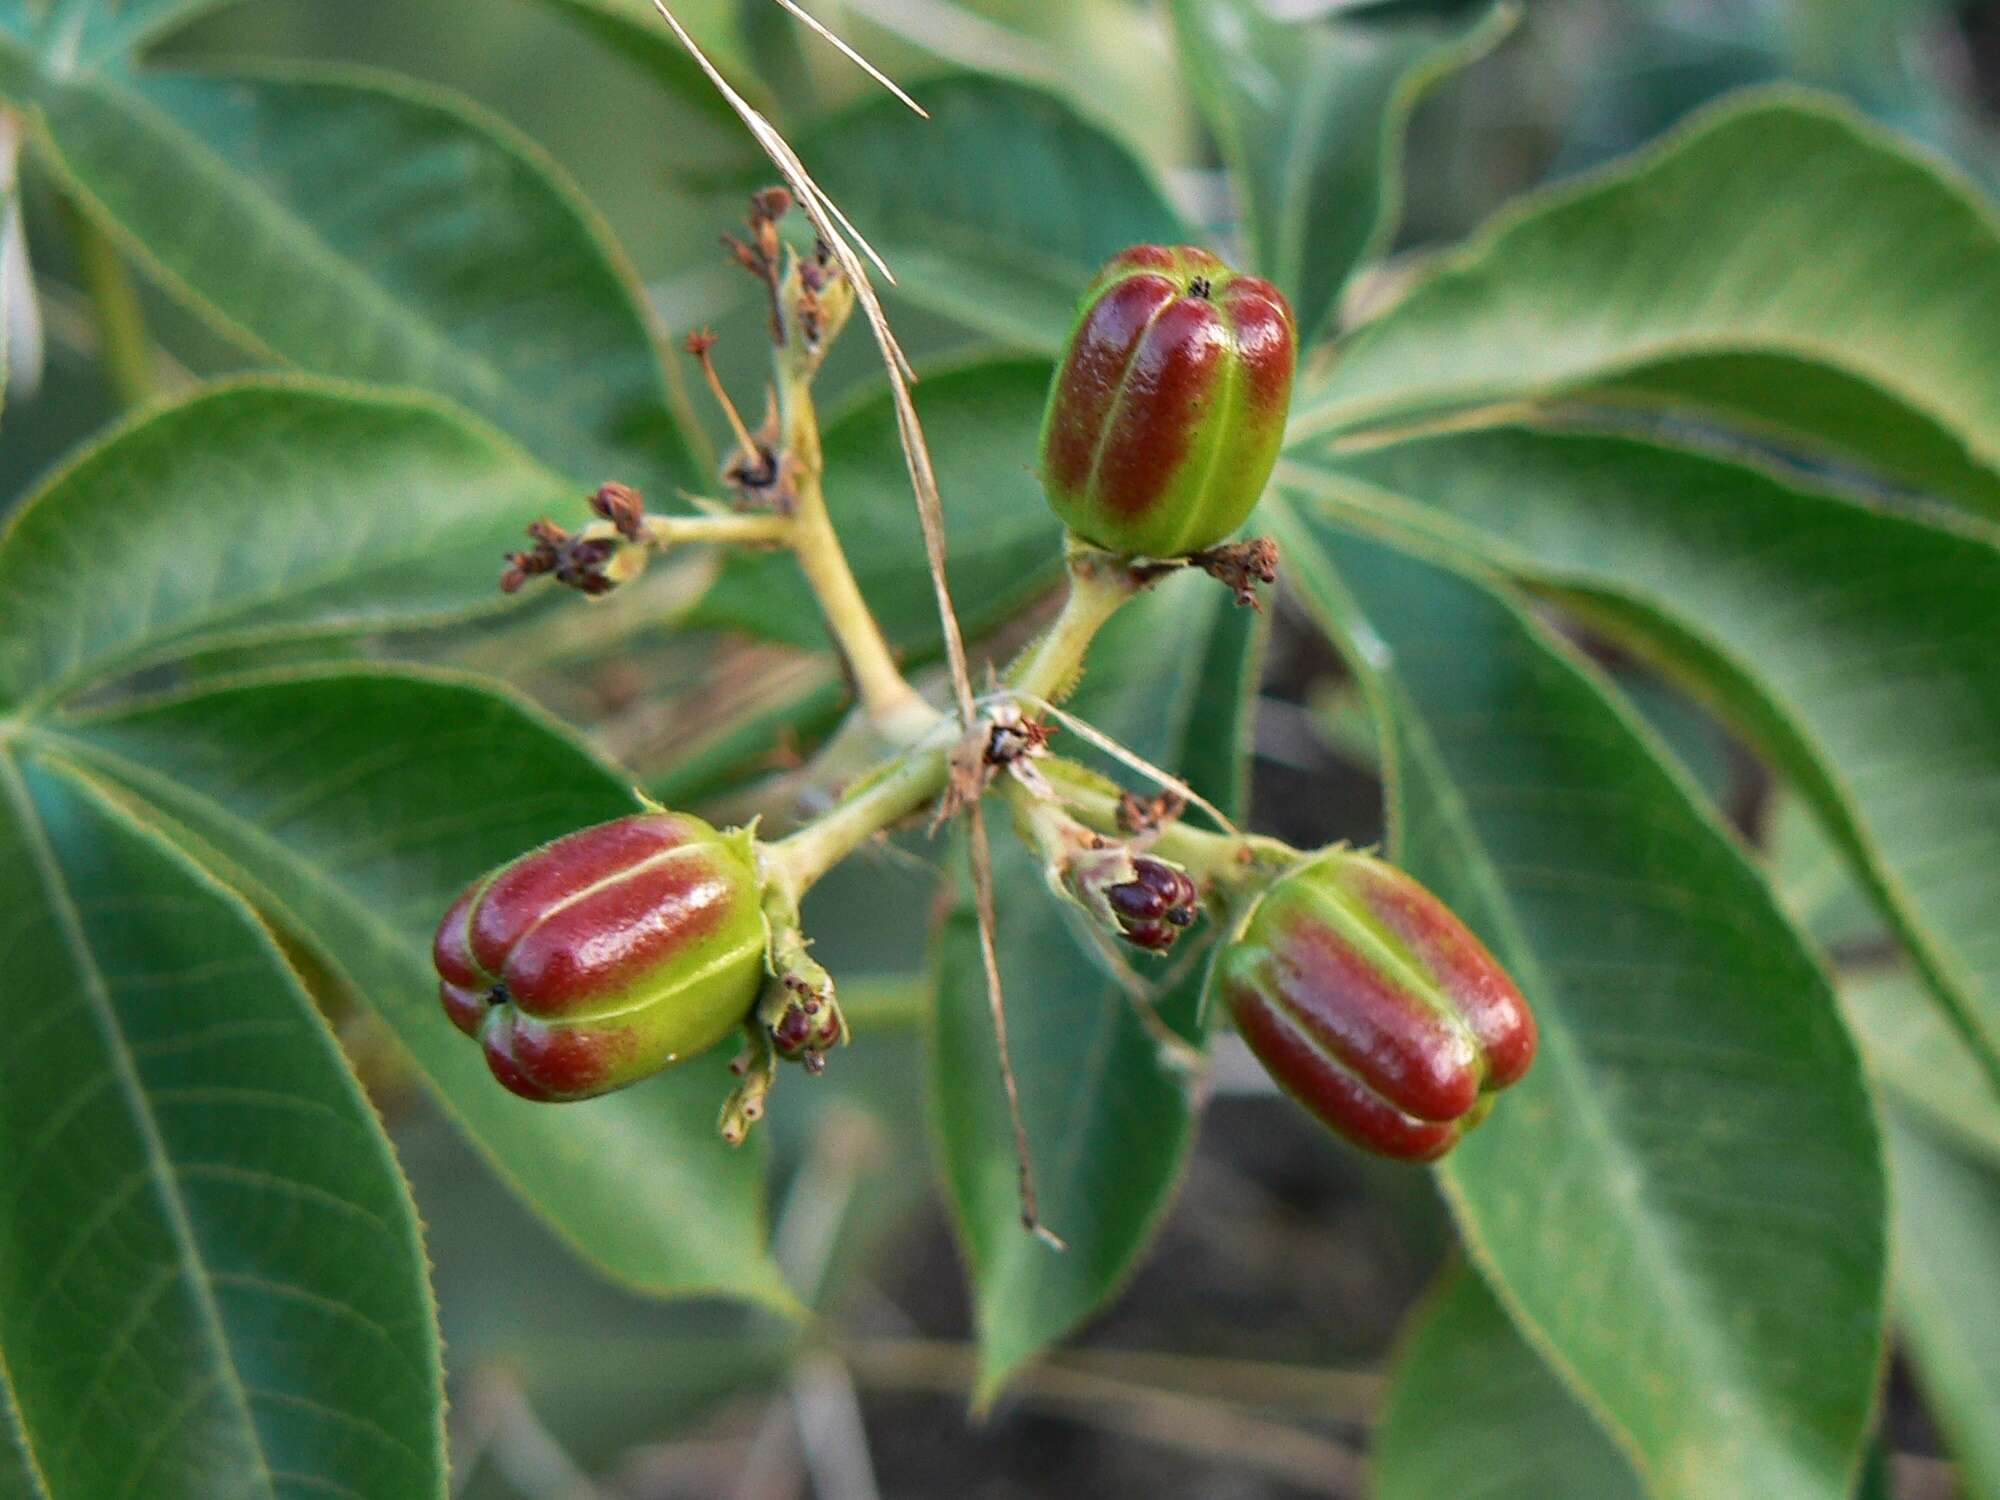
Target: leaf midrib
(224, 625)
(1335, 417)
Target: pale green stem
(123, 343)
(673, 531)
(1047, 669)
(1099, 587)
(886, 696)
(793, 864)
(1042, 824)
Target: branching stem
(886, 696)
(909, 784)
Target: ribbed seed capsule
(1168, 410)
(597, 960)
(1374, 1006)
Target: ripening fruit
(597, 960)
(1168, 410)
(1374, 1006)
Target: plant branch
(915, 776)
(1099, 586)
(886, 695)
(906, 786)
(674, 531)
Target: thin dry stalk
(852, 56)
(841, 238)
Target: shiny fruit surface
(1374, 1006)
(1168, 409)
(597, 960)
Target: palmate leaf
(351, 808)
(1682, 1204)
(1001, 532)
(1473, 1413)
(1108, 1121)
(1943, 1133)
(1922, 1063)
(1310, 118)
(259, 509)
(360, 226)
(211, 1282)
(1727, 272)
(997, 210)
(1853, 643)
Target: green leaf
(360, 226)
(1682, 1203)
(1108, 1122)
(211, 1282)
(1948, 1294)
(1854, 644)
(1912, 1049)
(1310, 118)
(255, 510)
(1724, 271)
(1780, 403)
(982, 423)
(1473, 1413)
(78, 37)
(351, 808)
(997, 210)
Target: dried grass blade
(840, 46)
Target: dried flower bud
(1167, 413)
(1154, 906)
(1374, 1006)
(1144, 900)
(621, 506)
(593, 566)
(809, 1027)
(597, 960)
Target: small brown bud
(621, 506)
(1241, 566)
